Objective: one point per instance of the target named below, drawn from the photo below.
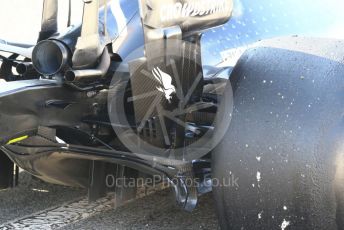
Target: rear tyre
(285, 140)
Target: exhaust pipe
(50, 57)
(89, 74)
(25, 69)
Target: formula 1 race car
(127, 93)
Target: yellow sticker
(17, 139)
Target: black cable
(95, 138)
(86, 88)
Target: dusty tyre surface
(285, 141)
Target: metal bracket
(97, 185)
(185, 188)
(49, 19)
(9, 172)
(123, 192)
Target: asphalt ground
(38, 205)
